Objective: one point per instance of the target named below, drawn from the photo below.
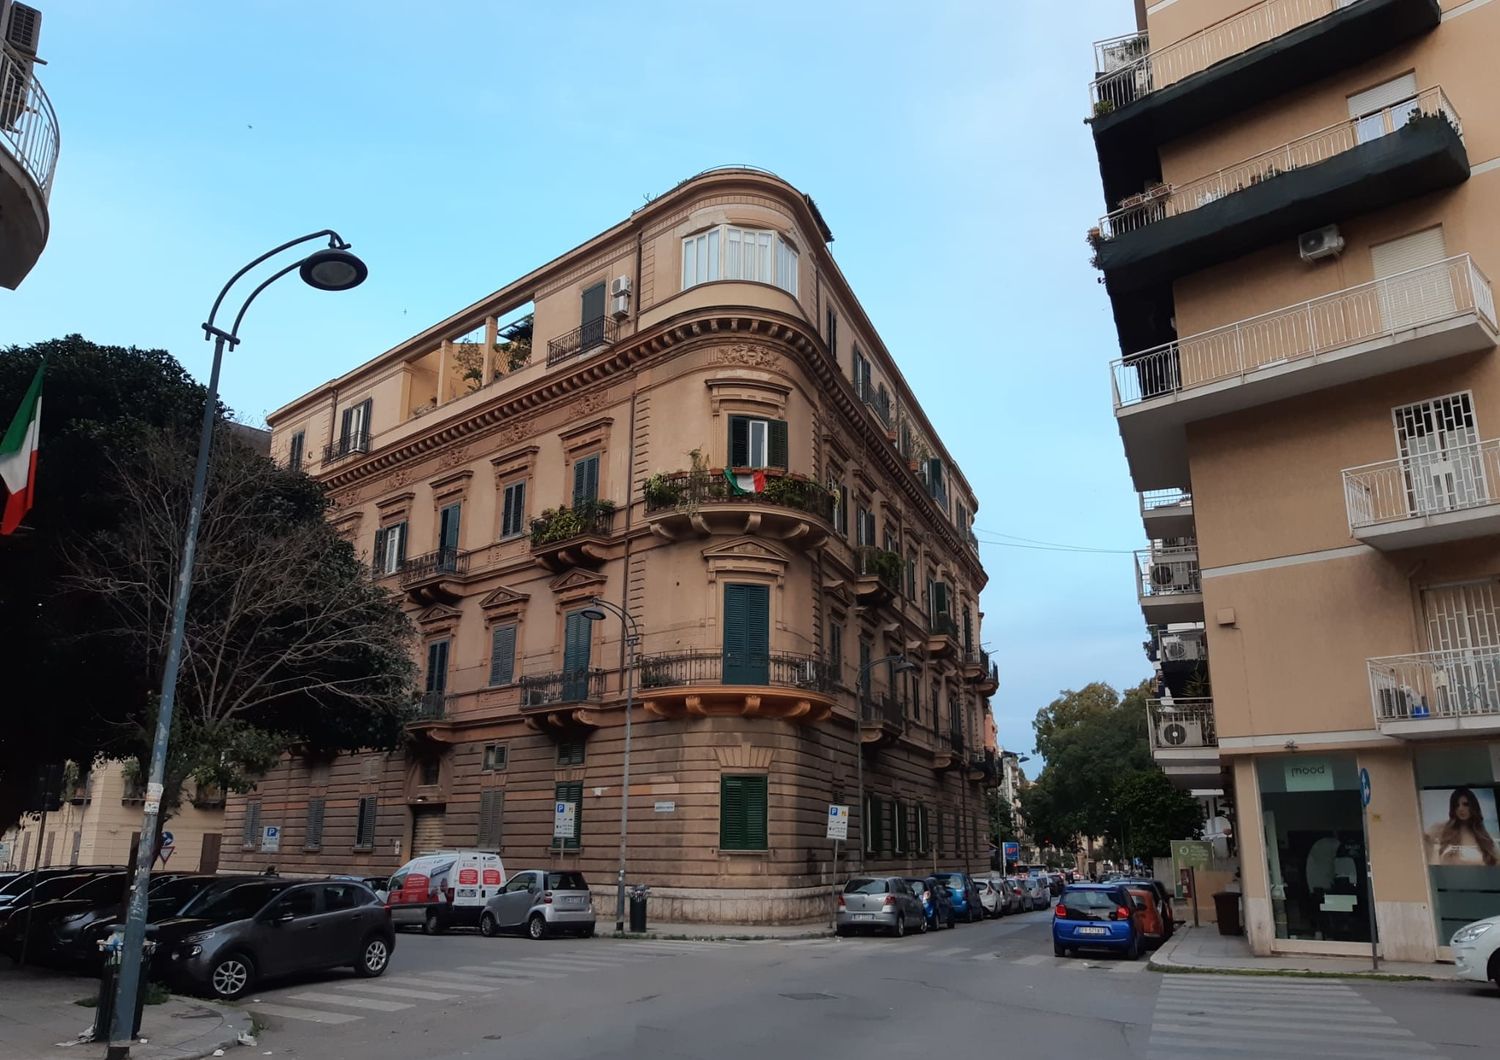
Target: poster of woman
(1456, 825)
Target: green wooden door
(577, 642)
(747, 634)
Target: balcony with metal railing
(1437, 693)
(573, 537)
(581, 340)
(562, 701)
(781, 505)
(1412, 318)
(1169, 584)
(878, 574)
(1167, 513)
(710, 682)
(942, 636)
(1355, 166)
(1449, 494)
(1155, 94)
(354, 444)
(429, 708)
(882, 718)
(436, 576)
(29, 141)
(1184, 739)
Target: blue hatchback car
(964, 894)
(1096, 916)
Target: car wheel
(587, 932)
(975, 915)
(536, 927)
(1133, 952)
(1494, 968)
(1059, 950)
(433, 925)
(900, 929)
(374, 957)
(922, 928)
(231, 976)
(487, 926)
(841, 932)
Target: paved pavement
(1204, 949)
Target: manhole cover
(809, 997)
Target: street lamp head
(905, 666)
(333, 269)
(593, 614)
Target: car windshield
(174, 892)
(1090, 899)
(917, 885)
(102, 889)
(54, 888)
(238, 902)
(566, 881)
(952, 879)
(866, 887)
(17, 885)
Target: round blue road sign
(1364, 787)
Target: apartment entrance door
(1438, 444)
(1463, 632)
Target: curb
(233, 1022)
(1162, 961)
(727, 937)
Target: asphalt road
(978, 990)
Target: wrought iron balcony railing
(28, 124)
(430, 706)
(871, 560)
(1178, 724)
(1408, 300)
(557, 525)
(706, 667)
(1448, 480)
(445, 560)
(1460, 683)
(942, 624)
(686, 490)
(882, 708)
(346, 445)
(560, 688)
(582, 339)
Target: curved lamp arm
(864, 671)
(624, 615)
(335, 242)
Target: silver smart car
(540, 903)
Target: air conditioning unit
(1171, 576)
(1320, 243)
(23, 27)
(1179, 732)
(1181, 649)
(20, 28)
(534, 697)
(619, 297)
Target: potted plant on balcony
(656, 673)
(886, 566)
(664, 491)
(562, 524)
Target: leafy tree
(1152, 813)
(1002, 817)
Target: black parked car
(32, 929)
(39, 887)
(271, 927)
(76, 938)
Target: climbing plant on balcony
(562, 524)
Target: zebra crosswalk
(929, 950)
(1198, 1016)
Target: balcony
(348, 445)
(436, 577)
(562, 701)
(1146, 96)
(790, 508)
(982, 767)
(1167, 513)
(1356, 166)
(949, 751)
(28, 159)
(877, 575)
(702, 683)
(581, 340)
(1169, 584)
(1427, 498)
(1427, 314)
(572, 537)
(1437, 693)
(942, 637)
(428, 716)
(1184, 740)
(882, 718)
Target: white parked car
(1476, 950)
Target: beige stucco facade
(753, 608)
(1346, 615)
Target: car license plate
(1091, 931)
(467, 892)
(864, 916)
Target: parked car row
(470, 888)
(900, 905)
(1126, 916)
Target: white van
(447, 888)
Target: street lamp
(903, 665)
(596, 612)
(333, 268)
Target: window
(734, 253)
(364, 827)
(936, 486)
(313, 840)
(502, 655)
(299, 902)
(495, 755)
(911, 575)
(861, 375)
(836, 652)
(340, 896)
(866, 652)
(905, 438)
(757, 443)
(449, 519)
(354, 431)
(924, 831)
(571, 791)
(513, 510)
(1383, 108)
(961, 516)
(872, 825)
(841, 516)
(1444, 469)
(491, 815)
(900, 837)
(432, 771)
(437, 667)
(585, 481)
(390, 548)
(742, 813)
(296, 450)
(747, 634)
(250, 831)
(916, 696)
(570, 753)
(833, 332)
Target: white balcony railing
(1421, 296)
(1168, 572)
(28, 125)
(1163, 201)
(1436, 684)
(1181, 724)
(1156, 500)
(1448, 480)
(1123, 77)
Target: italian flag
(18, 456)
(746, 482)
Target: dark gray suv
(260, 929)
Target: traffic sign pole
(1365, 794)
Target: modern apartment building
(1303, 210)
(28, 144)
(690, 418)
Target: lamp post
(595, 612)
(333, 268)
(903, 666)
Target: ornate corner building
(690, 417)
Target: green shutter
(379, 563)
(757, 808)
(739, 441)
(502, 655)
(747, 634)
(577, 650)
(314, 838)
(437, 666)
(585, 481)
(448, 528)
(491, 806)
(777, 454)
(250, 832)
(743, 809)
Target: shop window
(1457, 793)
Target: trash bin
(638, 896)
(104, 1009)
(1227, 911)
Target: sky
(459, 145)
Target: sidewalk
(729, 932)
(39, 1021)
(1205, 950)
